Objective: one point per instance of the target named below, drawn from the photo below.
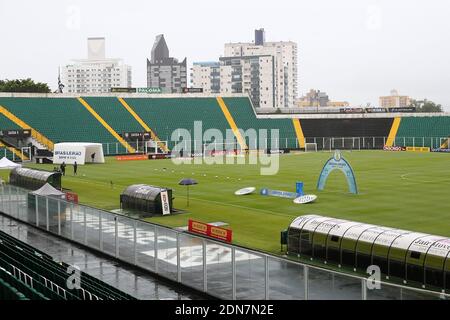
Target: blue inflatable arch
(338, 163)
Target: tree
(426, 106)
(23, 85)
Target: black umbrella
(187, 182)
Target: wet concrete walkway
(135, 282)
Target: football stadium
(221, 201)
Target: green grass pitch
(397, 189)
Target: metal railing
(222, 270)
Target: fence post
(100, 230)
(135, 243)
(71, 220)
(85, 225)
(18, 203)
(46, 215)
(363, 289)
(233, 272)
(9, 200)
(266, 275)
(37, 210)
(178, 258)
(306, 276)
(59, 217)
(116, 237)
(205, 270)
(155, 235)
(414, 141)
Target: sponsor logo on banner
(392, 148)
(132, 157)
(69, 156)
(123, 90)
(149, 90)
(279, 193)
(403, 109)
(210, 230)
(440, 150)
(192, 90)
(165, 202)
(417, 149)
(72, 197)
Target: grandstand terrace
(104, 118)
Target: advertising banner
(210, 230)
(440, 150)
(279, 193)
(123, 90)
(15, 133)
(192, 90)
(69, 154)
(149, 90)
(133, 136)
(165, 203)
(403, 109)
(72, 197)
(132, 157)
(392, 148)
(417, 149)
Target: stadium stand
(165, 115)
(110, 109)
(26, 273)
(59, 119)
(106, 118)
(242, 112)
(117, 116)
(6, 124)
(423, 130)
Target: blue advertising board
(278, 193)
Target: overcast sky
(355, 50)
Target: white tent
(81, 152)
(8, 164)
(48, 190)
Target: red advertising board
(132, 157)
(210, 230)
(72, 197)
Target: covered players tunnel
(411, 256)
(34, 179)
(150, 200)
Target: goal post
(155, 147)
(311, 147)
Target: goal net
(311, 147)
(154, 147)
